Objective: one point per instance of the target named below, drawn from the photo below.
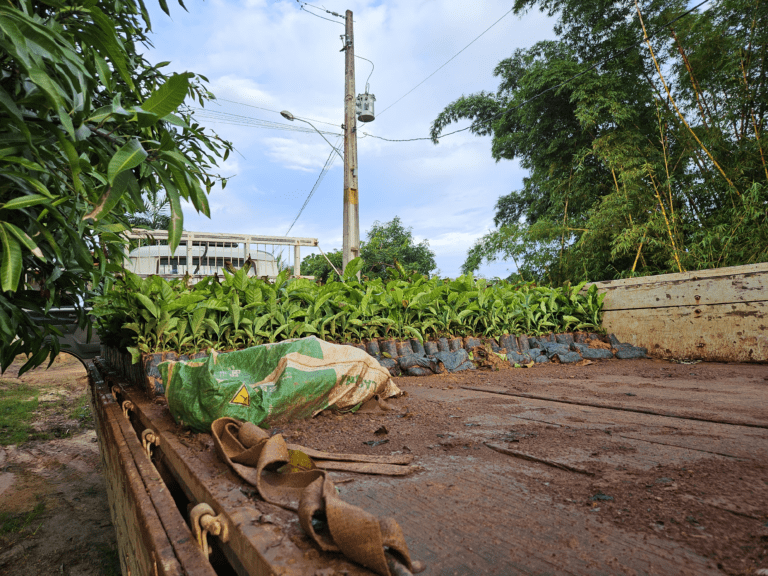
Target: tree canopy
(388, 245)
(87, 125)
(645, 152)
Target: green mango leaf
(24, 238)
(176, 225)
(175, 120)
(101, 114)
(111, 197)
(129, 156)
(10, 268)
(105, 74)
(10, 106)
(25, 202)
(168, 97)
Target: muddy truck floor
(616, 467)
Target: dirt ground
(673, 455)
(54, 514)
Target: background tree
(390, 242)
(316, 265)
(652, 160)
(154, 213)
(386, 244)
(87, 127)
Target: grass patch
(81, 412)
(18, 402)
(16, 523)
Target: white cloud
(298, 155)
(273, 56)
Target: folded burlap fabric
(301, 486)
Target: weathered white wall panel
(718, 315)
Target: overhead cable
(561, 84)
(239, 120)
(447, 62)
(275, 111)
(369, 75)
(323, 172)
(303, 6)
(321, 8)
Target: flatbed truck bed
(616, 467)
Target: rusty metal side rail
(152, 537)
(262, 538)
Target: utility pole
(351, 227)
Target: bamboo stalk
(631, 223)
(565, 222)
(669, 229)
(666, 165)
(754, 122)
(562, 238)
(724, 252)
(694, 83)
(639, 248)
(674, 103)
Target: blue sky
(263, 56)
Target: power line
(239, 120)
(447, 62)
(321, 8)
(318, 15)
(372, 69)
(303, 6)
(283, 128)
(323, 172)
(288, 127)
(275, 111)
(561, 84)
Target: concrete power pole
(351, 227)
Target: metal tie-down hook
(204, 521)
(149, 439)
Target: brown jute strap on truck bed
(300, 486)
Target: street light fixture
(288, 116)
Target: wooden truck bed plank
(264, 539)
(142, 540)
(187, 552)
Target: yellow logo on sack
(242, 397)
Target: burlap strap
(320, 455)
(359, 535)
